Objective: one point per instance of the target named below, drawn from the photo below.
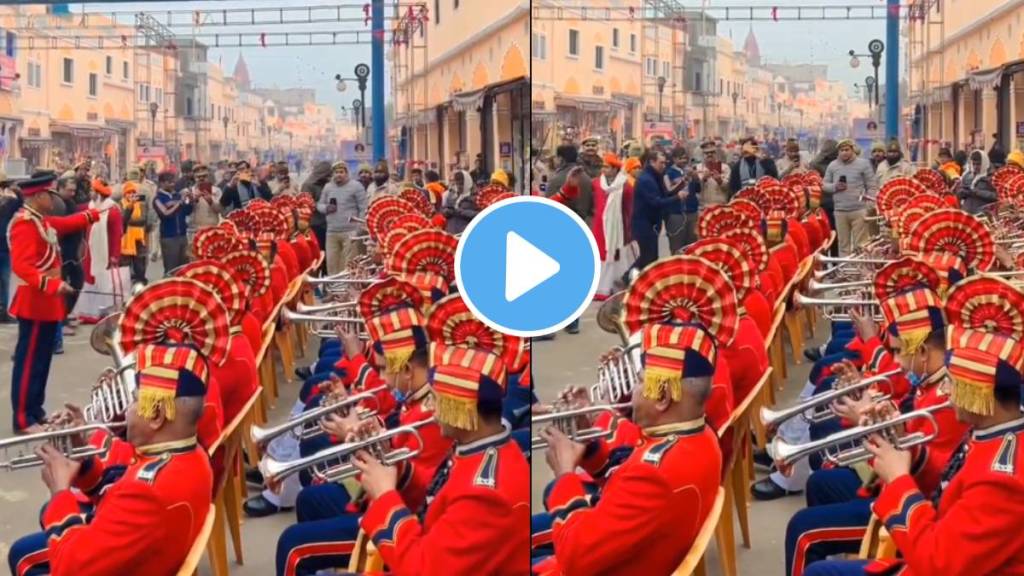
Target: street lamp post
(362, 72)
(153, 107)
(735, 110)
(224, 120)
(661, 93)
(875, 50)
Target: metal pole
(892, 70)
(377, 67)
(152, 128)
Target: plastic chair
(365, 557)
(195, 553)
(693, 563)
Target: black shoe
(7, 319)
(254, 476)
(573, 328)
(258, 507)
(303, 372)
(762, 461)
(766, 489)
(58, 349)
(543, 338)
(812, 354)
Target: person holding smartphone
(849, 180)
(341, 200)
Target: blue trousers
(32, 356)
(837, 568)
(29, 555)
(307, 547)
(834, 521)
(516, 406)
(5, 279)
(321, 502)
(540, 536)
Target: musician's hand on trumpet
(889, 461)
(376, 478)
(59, 471)
(351, 345)
(340, 426)
(563, 455)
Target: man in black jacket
(248, 189)
(751, 167)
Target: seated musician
(475, 519)
(148, 497)
(971, 523)
(398, 339)
(657, 499)
(839, 507)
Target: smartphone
(333, 202)
(842, 179)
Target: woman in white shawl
(613, 196)
(459, 206)
(105, 286)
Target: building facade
(966, 74)
(461, 84)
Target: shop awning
(583, 103)
(80, 130)
(469, 101)
(986, 79)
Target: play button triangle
(526, 266)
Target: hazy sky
(795, 42)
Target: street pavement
(571, 360)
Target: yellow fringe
(395, 360)
(657, 380)
(457, 412)
(150, 399)
(912, 341)
(974, 397)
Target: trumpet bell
(102, 336)
(609, 315)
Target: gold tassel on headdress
(913, 340)
(151, 398)
(397, 359)
(974, 397)
(658, 379)
(457, 412)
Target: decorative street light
(224, 120)
(735, 113)
(875, 50)
(661, 93)
(362, 72)
(153, 107)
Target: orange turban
(632, 164)
(612, 160)
(100, 187)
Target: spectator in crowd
(341, 200)
(976, 189)
(848, 180)
(894, 165)
(459, 206)
(10, 202)
(681, 221)
(566, 162)
(173, 209)
(751, 167)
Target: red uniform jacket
(211, 422)
(747, 359)
(649, 513)
(289, 258)
(416, 473)
(253, 331)
(976, 528)
(236, 376)
(278, 281)
(720, 401)
(877, 360)
(145, 522)
(302, 252)
(477, 519)
(759, 309)
(800, 238)
(788, 259)
(35, 262)
(359, 376)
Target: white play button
(526, 266)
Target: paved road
(572, 360)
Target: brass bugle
(816, 408)
(789, 454)
(298, 317)
(615, 378)
(62, 439)
(308, 423)
(332, 464)
(566, 422)
(820, 258)
(327, 307)
(816, 286)
(801, 301)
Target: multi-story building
(966, 74)
(461, 82)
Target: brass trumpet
(307, 424)
(567, 422)
(789, 454)
(325, 308)
(616, 378)
(332, 464)
(816, 409)
(816, 286)
(62, 439)
(318, 322)
(835, 308)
